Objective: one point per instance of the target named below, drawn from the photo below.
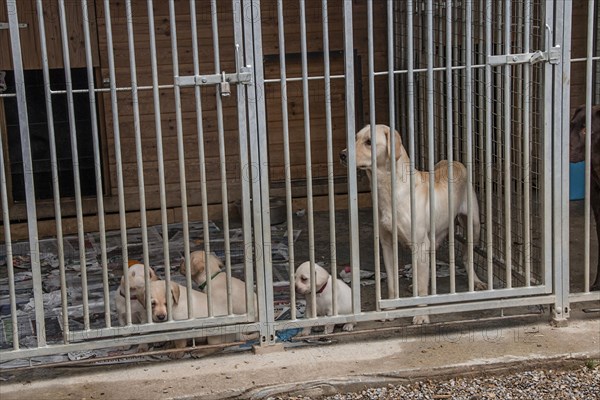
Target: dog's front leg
(307, 314)
(387, 249)
(422, 271)
(178, 344)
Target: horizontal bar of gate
(158, 327)
(410, 312)
(125, 341)
(458, 297)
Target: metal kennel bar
(15, 42)
(54, 167)
(160, 152)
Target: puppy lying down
(158, 292)
(218, 279)
(324, 288)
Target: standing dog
(380, 141)
(324, 286)
(578, 132)
(218, 281)
(136, 282)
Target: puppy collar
(322, 288)
(203, 285)
(134, 297)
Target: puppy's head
(158, 298)
(381, 141)
(578, 132)
(136, 278)
(198, 266)
(302, 281)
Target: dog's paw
(328, 329)
(479, 285)
(176, 356)
(306, 331)
(142, 348)
(348, 327)
(420, 319)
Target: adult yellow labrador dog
(365, 143)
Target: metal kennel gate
(479, 82)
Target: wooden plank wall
(190, 133)
(30, 35)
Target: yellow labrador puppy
(158, 294)
(136, 282)
(218, 280)
(380, 141)
(324, 287)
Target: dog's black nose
(161, 317)
(343, 156)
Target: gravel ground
(582, 383)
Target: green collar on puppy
(202, 286)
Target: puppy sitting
(323, 285)
(136, 282)
(218, 280)
(158, 299)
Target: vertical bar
(202, 159)
(507, 148)
(469, 144)
(557, 29)
(372, 121)
(222, 163)
(329, 134)
(138, 152)
(489, 241)
(160, 154)
(54, 167)
(307, 146)
(244, 164)
(9, 253)
(526, 148)
(551, 176)
(181, 156)
(75, 155)
(392, 144)
(350, 133)
(286, 155)
(431, 147)
(588, 144)
(118, 156)
(411, 143)
(260, 180)
(15, 41)
(450, 144)
(97, 161)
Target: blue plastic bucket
(577, 181)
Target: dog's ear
(153, 276)
(577, 135)
(388, 138)
(140, 294)
(175, 292)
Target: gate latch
(223, 79)
(552, 56)
(5, 25)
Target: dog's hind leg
(462, 221)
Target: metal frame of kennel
(502, 71)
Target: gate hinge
(244, 77)
(553, 56)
